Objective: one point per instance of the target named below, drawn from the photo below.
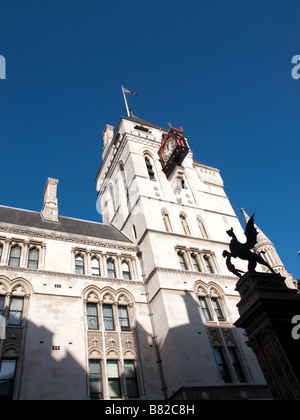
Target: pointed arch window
(8, 373)
(79, 264)
(149, 168)
(208, 264)
(123, 175)
(113, 379)
(130, 379)
(108, 317)
(217, 308)
(166, 220)
(92, 316)
(202, 228)
(126, 270)
(15, 311)
(185, 224)
(111, 192)
(33, 258)
(95, 379)
(15, 256)
(182, 261)
(123, 318)
(222, 364)
(236, 364)
(205, 308)
(196, 266)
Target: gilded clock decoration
(169, 146)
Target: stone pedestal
(266, 310)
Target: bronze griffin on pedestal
(243, 250)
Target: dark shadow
(45, 369)
(191, 366)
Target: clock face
(169, 146)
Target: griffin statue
(243, 251)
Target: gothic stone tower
(175, 209)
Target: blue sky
(219, 68)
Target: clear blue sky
(219, 68)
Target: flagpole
(127, 109)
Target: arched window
(95, 379)
(202, 228)
(183, 184)
(149, 168)
(111, 191)
(111, 272)
(233, 354)
(222, 364)
(126, 270)
(205, 308)
(15, 310)
(166, 220)
(92, 316)
(33, 258)
(123, 318)
(8, 373)
(217, 308)
(123, 175)
(108, 317)
(15, 255)
(208, 264)
(196, 266)
(79, 264)
(95, 265)
(184, 224)
(131, 379)
(182, 261)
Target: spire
(245, 214)
(262, 239)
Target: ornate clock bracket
(173, 150)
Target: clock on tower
(173, 150)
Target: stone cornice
(66, 237)
(22, 271)
(199, 275)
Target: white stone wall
(185, 340)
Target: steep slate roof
(66, 224)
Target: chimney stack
(50, 207)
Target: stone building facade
(140, 306)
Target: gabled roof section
(85, 228)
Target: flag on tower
(129, 91)
(129, 112)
